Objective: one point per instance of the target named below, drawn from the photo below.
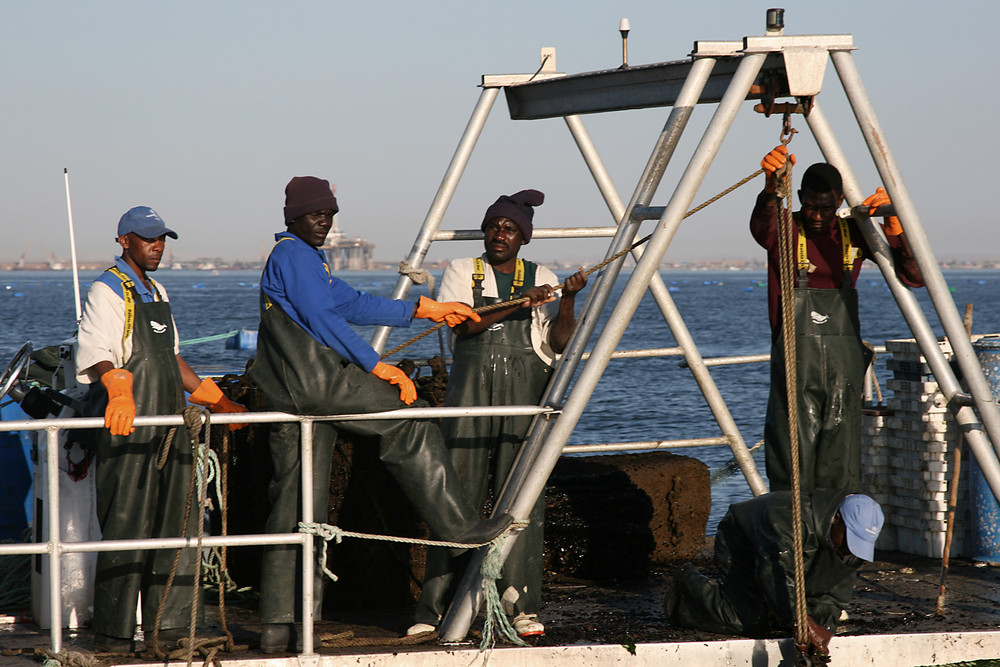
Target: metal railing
(55, 547)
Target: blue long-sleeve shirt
(298, 280)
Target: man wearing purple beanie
(310, 362)
(504, 359)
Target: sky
(205, 110)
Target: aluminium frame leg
(983, 403)
(432, 221)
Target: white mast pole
(72, 251)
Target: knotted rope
(419, 277)
(593, 269)
(72, 659)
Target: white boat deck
(892, 623)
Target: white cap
(623, 25)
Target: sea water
(636, 399)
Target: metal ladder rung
(642, 353)
(640, 213)
(538, 233)
(648, 445)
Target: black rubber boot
(277, 638)
(109, 644)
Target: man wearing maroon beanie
(504, 359)
(310, 362)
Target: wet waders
(754, 591)
(135, 500)
(300, 376)
(831, 362)
(495, 367)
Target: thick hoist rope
(593, 269)
(787, 231)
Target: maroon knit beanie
(308, 194)
(517, 208)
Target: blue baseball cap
(145, 222)
(863, 518)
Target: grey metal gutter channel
(636, 87)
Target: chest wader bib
(134, 499)
(301, 376)
(498, 366)
(831, 362)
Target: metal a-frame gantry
(728, 74)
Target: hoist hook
(787, 131)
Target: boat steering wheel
(14, 369)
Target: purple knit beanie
(308, 194)
(518, 208)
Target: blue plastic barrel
(984, 505)
(15, 476)
(244, 339)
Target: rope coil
(198, 482)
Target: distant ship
(347, 253)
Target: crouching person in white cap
(755, 593)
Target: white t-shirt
(101, 329)
(456, 285)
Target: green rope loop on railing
(205, 339)
(496, 620)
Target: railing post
(308, 552)
(55, 546)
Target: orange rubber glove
(209, 395)
(392, 375)
(890, 224)
(120, 413)
(452, 312)
(776, 159)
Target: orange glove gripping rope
(453, 313)
(776, 159)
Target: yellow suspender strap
(801, 253)
(845, 245)
(479, 274)
(518, 278)
(127, 287)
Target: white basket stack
(907, 458)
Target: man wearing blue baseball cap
(755, 593)
(127, 351)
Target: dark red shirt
(825, 252)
